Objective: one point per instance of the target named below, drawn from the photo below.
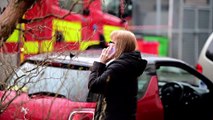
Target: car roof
(87, 57)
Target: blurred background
(180, 27)
(186, 24)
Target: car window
(113, 7)
(72, 83)
(171, 74)
(67, 4)
(209, 52)
(143, 81)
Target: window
(59, 36)
(110, 6)
(143, 81)
(67, 4)
(115, 7)
(171, 74)
(164, 5)
(209, 52)
(68, 82)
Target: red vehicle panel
(43, 107)
(150, 106)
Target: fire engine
(60, 25)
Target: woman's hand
(107, 54)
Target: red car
(54, 86)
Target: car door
(149, 103)
(194, 94)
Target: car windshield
(67, 4)
(34, 78)
(114, 7)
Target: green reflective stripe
(71, 30)
(46, 46)
(107, 29)
(31, 47)
(14, 37)
(85, 44)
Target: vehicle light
(199, 68)
(22, 49)
(85, 114)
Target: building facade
(187, 24)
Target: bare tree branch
(11, 16)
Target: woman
(117, 82)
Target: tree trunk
(11, 16)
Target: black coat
(117, 85)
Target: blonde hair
(125, 41)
